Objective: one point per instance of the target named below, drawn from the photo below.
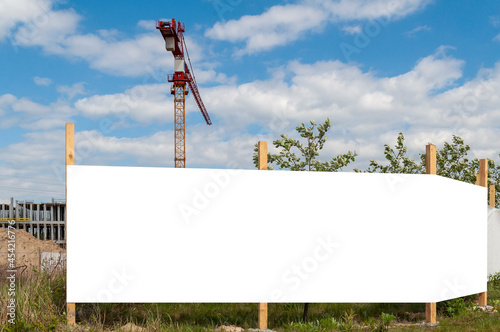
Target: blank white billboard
(493, 241)
(205, 235)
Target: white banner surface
(205, 235)
(493, 241)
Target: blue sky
(429, 68)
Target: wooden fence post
(482, 180)
(430, 159)
(262, 165)
(492, 196)
(430, 168)
(70, 160)
(262, 158)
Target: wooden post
(483, 173)
(70, 160)
(430, 168)
(482, 180)
(262, 164)
(262, 158)
(430, 159)
(492, 196)
(262, 316)
(430, 312)
(70, 144)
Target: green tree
(452, 162)
(309, 150)
(398, 161)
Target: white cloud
(35, 167)
(430, 74)
(144, 104)
(50, 32)
(13, 12)
(131, 57)
(73, 90)
(146, 24)
(42, 81)
(94, 148)
(345, 10)
(334, 89)
(136, 56)
(56, 31)
(42, 23)
(283, 24)
(363, 107)
(411, 33)
(206, 146)
(109, 35)
(323, 89)
(353, 29)
(277, 26)
(378, 101)
(211, 76)
(497, 38)
(29, 115)
(29, 107)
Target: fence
(479, 274)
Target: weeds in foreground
(40, 300)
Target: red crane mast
(173, 34)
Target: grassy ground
(41, 307)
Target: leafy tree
(452, 162)
(399, 162)
(306, 161)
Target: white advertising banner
(493, 241)
(205, 235)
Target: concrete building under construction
(45, 221)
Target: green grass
(41, 307)
(40, 302)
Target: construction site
(42, 235)
(44, 221)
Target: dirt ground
(28, 250)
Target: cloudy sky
(428, 68)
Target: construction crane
(173, 34)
